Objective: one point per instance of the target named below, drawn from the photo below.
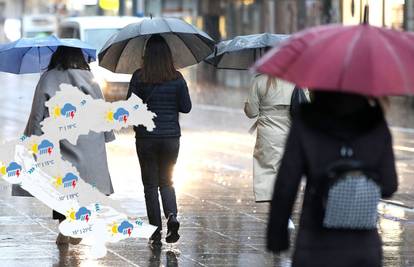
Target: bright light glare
(12, 29)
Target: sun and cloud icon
(45, 147)
(124, 228)
(14, 169)
(121, 115)
(67, 111)
(83, 214)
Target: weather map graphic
(13, 169)
(121, 115)
(35, 163)
(45, 147)
(83, 214)
(124, 228)
(67, 111)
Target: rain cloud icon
(68, 110)
(70, 180)
(125, 228)
(45, 147)
(121, 115)
(14, 169)
(83, 214)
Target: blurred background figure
(268, 102)
(331, 123)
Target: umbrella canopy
(360, 59)
(32, 55)
(243, 51)
(124, 51)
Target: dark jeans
(157, 157)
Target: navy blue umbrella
(32, 55)
(242, 52)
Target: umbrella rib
(196, 34)
(191, 51)
(168, 25)
(200, 38)
(24, 54)
(296, 38)
(348, 58)
(40, 62)
(265, 58)
(50, 49)
(140, 27)
(163, 19)
(194, 28)
(391, 50)
(122, 51)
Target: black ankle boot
(172, 229)
(155, 239)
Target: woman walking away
(269, 102)
(165, 92)
(68, 65)
(343, 146)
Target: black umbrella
(123, 52)
(242, 52)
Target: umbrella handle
(215, 56)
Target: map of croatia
(36, 164)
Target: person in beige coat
(269, 102)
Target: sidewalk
(221, 223)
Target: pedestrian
(269, 101)
(334, 129)
(68, 65)
(165, 92)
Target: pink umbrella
(359, 59)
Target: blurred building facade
(227, 18)
(224, 19)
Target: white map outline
(35, 163)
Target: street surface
(221, 225)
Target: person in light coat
(68, 65)
(269, 102)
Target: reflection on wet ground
(221, 223)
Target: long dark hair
(158, 65)
(68, 58)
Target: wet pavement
(221, 223)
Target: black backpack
(298, 97)
(351, 195)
